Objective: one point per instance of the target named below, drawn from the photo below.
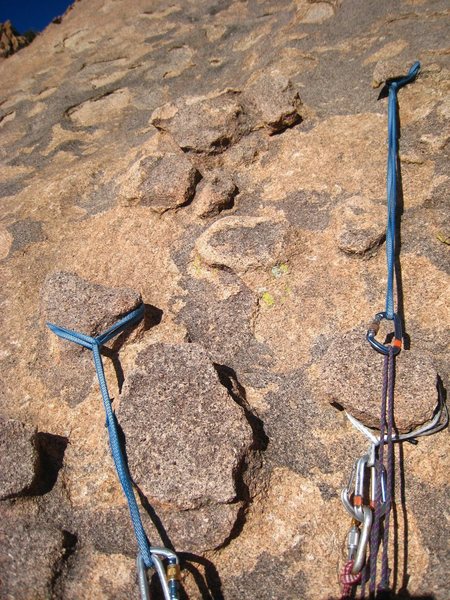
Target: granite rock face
(19, 458)
(195, 463)
(225, 163)
(26, 541)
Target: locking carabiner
(374, 328)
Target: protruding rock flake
(168, 182)
(100, 109)
(315, 12)
(356, 383)
(276, 100)
(215, 195)
(242, 243)
(73, 302)
(161, 182)
(388, 69)
(360, 226)
(207, 125)
(186, 437)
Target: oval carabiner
(359, 496)
(375, 326)
(144, 587)
(360, 555)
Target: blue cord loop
(392, 175)
(95, 344)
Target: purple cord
(384, 582)
(375, 532)
(364, 576)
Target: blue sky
(31, 14)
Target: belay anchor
(368, 496)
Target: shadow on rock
(51, 453)
(152, 317)
(228, 379)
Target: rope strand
(391, 181)
(385, 573)
(375, 532)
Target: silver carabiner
(360, 487)
(144, 588)
(354, 506)
(374, 328)
(169, 579)
(346, 494)
(360, 555)
(373, 487)
(363, 494)
(353, 540)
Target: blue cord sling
(148, 556)
(393, 132)
(391, 250)
(95, 344)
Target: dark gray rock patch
(224, 326)
(99, 199)
(28, 547)
(307, 210)
(270, 575)
(11, 187)
(24, 233)
(19, 458)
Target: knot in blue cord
(95, 344)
